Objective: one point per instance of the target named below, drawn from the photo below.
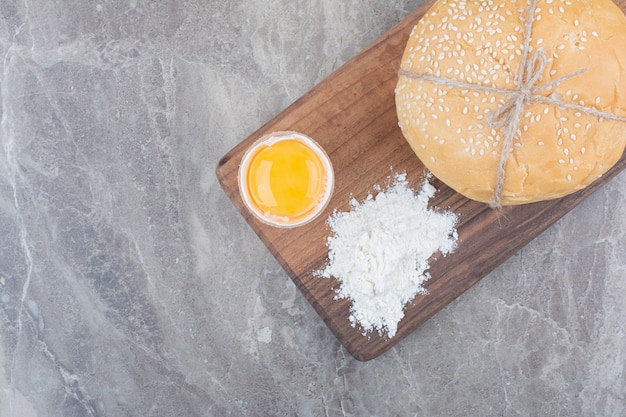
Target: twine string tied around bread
(507, 117)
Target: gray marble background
(130, 286)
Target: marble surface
(130, 286)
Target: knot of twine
(526, 91)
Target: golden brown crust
(557, 151)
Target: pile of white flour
(379, 251)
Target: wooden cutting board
(352, 115)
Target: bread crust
(556, 151)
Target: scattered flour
(379, 251)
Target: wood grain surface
(352, 115)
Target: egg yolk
(286, 179)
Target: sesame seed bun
(556, 150)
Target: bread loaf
(466, 77)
